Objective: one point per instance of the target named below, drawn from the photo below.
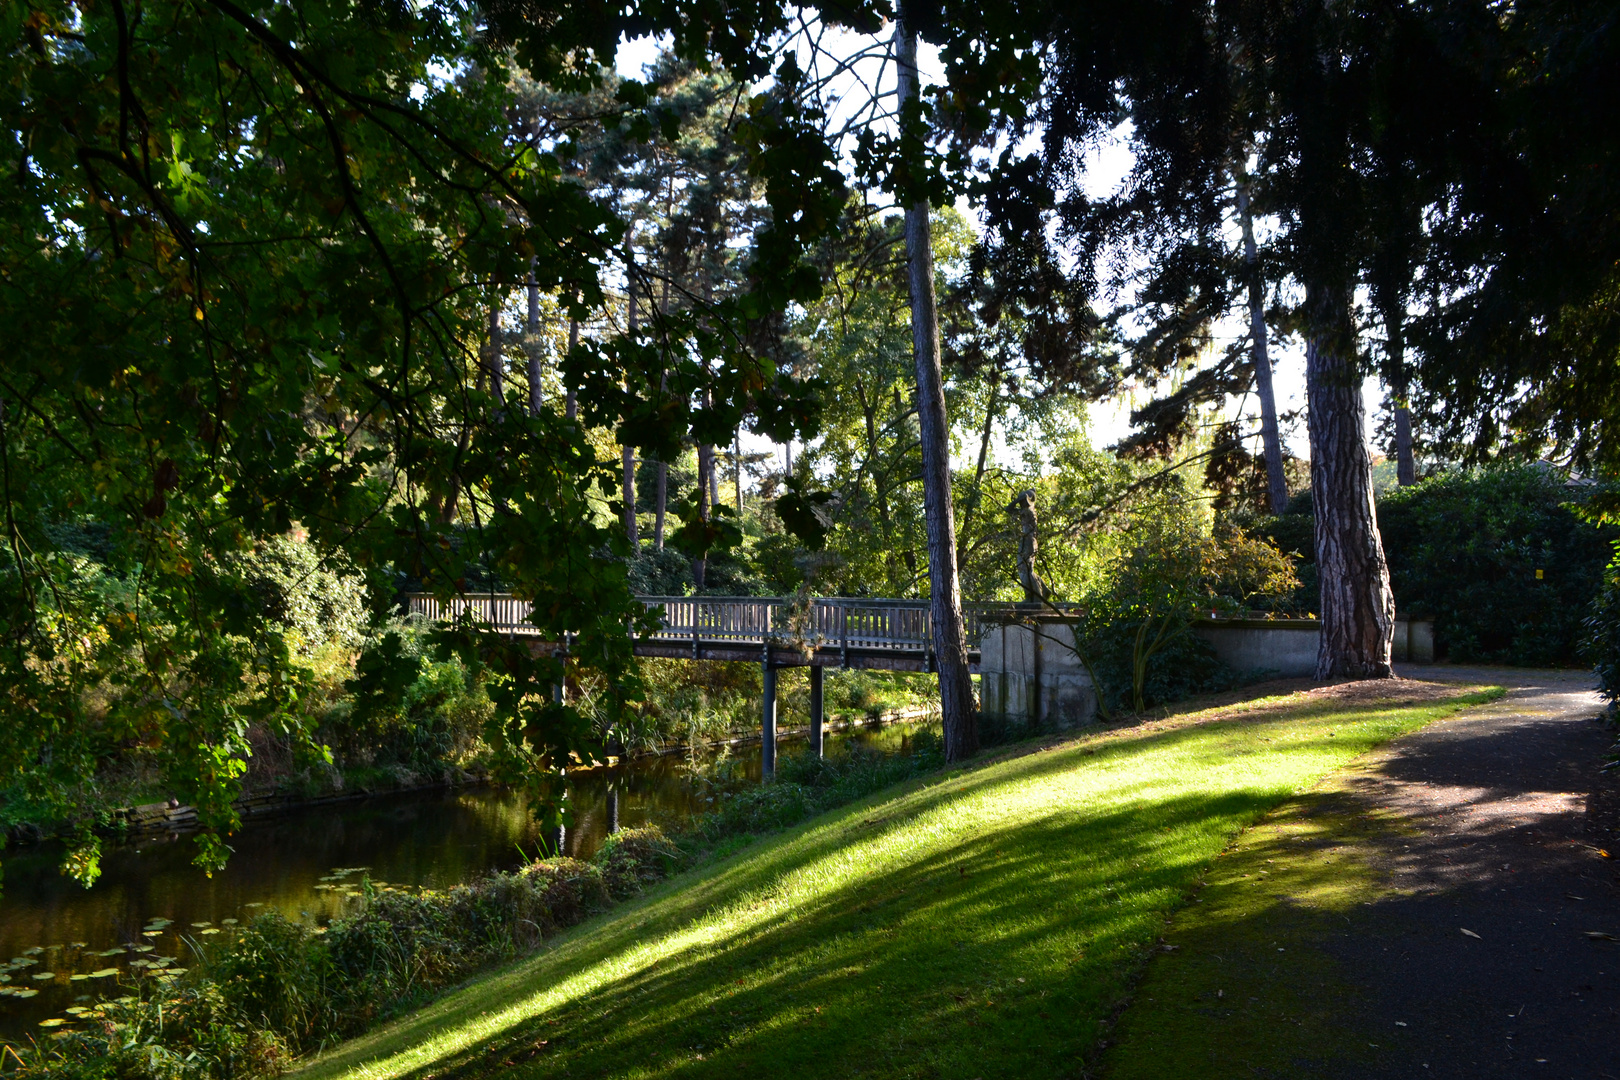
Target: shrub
(283, 987)
(1465, 547)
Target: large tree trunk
(960, 718)
(1276, 479)
(736, 469)
(1358, 609)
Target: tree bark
(1357, 607)
(531, 341)
(977, 497)
(1405, 468)
(661, 506)
(492, 356)
(628, 454)
(1276, 478)
(736, 470)
(957, 711)
(570, 401)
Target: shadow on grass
(980, 923)
(1419, 915)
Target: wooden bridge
(775, 632)
(892, 635)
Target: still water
(151, 909)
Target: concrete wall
(1289, 646)
(1028, 674)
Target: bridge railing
(835, 621)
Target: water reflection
(152, 909)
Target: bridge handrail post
(843, 626)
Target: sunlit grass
(982, 922)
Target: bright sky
(1105, 168)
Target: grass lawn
(982, 922)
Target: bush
(282, 987)
(1603, 636)
(807, 785)
(1465, 547)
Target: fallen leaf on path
(1473, 935)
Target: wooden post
(767, 753)
(612, 809)
(816, 702)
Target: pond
(69, 946)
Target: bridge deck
(893, 635)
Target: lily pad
(55, 1021)
(78, 978)
(151, 933)
(200, 925)
(43, 976)
(142, 948)
(116, 950)
(210, 930)
(25, 993)
(227, 922)
(104, 973)
(35, 951)
(176, 971)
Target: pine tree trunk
(957, 711)
(629, 459)
(531, 342)
(571, 401)
(1276, 478)
(1357, 607)
(1405, 469)
(700, 565)
(492, 356)
(661, 506)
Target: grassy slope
(983, 923)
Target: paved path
(1504, 849)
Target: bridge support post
(767, 729)
(816, 709)
(612, 809)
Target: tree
(247, 261)
(1174, 77)
(957, 711)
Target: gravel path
(1487, 960)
